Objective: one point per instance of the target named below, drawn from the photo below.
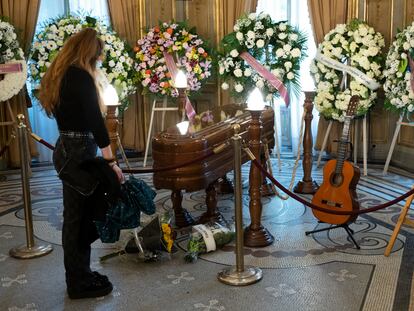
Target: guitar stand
(345, 226)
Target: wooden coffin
(171, 147)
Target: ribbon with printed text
(354, 72)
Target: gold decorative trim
(218, 9)
(392, 21)
(405, 14)
(142, 17)
(173, 9)
(352, 9)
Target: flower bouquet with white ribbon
(207, 238)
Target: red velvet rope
(321, 209)
(261, 168)
(42, 141)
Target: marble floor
(323, 271)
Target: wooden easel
(13, 122)
(399, 123)
(13, 119)
(164, 109)
(401, 220)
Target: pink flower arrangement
(188, 49)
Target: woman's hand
(118, 173)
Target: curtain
(233, 9)
(124, 15)
(95, 8)
(42, 125)
(325, 15)
(23, 15)
(300, 18)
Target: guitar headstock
(353, 106)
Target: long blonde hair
(82, 50)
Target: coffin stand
(170, 147)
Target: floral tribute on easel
(191, 54)
(118, 65)
(261, 53)
(348, 62)
(399, 72)
(10, 52)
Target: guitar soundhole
(337, 179)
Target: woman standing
(68, 92)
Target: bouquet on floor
(168, 234)
(207, 238)
(147, 240)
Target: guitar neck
(343, 144)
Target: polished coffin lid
(170, 147)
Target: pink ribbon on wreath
(172, 68)
(267, 75)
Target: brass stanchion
(30, 250)
(239, 275)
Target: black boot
(97, 286)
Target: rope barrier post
(307, 185)
(30, 250)
(239, 275)
(401, 220)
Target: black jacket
(108, 188)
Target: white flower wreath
(354, 49)
(10, 52)
(118, 65)
(397, 87)
(278, 46)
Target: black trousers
(79, 231)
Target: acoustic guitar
(340, 177)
